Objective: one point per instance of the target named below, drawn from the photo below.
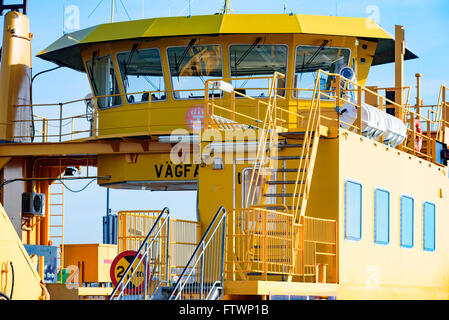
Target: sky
(425, 24)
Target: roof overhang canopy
(66, 50)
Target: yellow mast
(15, 78)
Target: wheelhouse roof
(66, 50)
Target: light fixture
(224, 86)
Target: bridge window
(142, 75)
(310, 59)
(381, 216)
(353, 210)
(191, 66)
(429, 226)
(249, 62)
(104, 82)
(407, 213)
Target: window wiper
(248, 51)
(325, 42)
(125, 65)
(184, 54)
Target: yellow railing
(404, 112)
(259, 242)
(263, 243)
(133, 227)
(42, 123)
(306, 162)
(316, 250)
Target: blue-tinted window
(353, 210)
(407, 213)
(429, 226)
(381, 216)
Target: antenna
(227, 8)
(14, 7)
(112, 11)
(285, 8)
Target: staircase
(147, 276)
(202, 278)
(287, 163)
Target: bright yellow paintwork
(92, 260)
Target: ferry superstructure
(310, 184)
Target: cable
(125, 10)
(76, 191)
(12, 285)
(95, 9)
(2, 295)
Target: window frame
(169, 70)
(424, 226)
(345, 211)
(91, 82)
(125, 94)
(401, 242)
(294, 65)
(287, 67)
(376, 241)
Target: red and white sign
(195, 117)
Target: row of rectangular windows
(353, 217)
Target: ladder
(56, 222)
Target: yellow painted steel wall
(93, 260)
(373, 271)
(26, 278)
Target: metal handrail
(142, 253)
(199, 255)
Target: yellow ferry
(310, 184)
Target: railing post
(202, 272)
(60, 122)
(233, 106)
(444, 112)
(206, 106)
(359, 108)
(149, 111)
(223, 246)
(167, 265)
(338, 91)
(145, 270)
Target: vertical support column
(359, 109)
(444, 116)
(399, 69)
(15, 80)
(418, 93)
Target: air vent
(33, 203)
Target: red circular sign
(118, 268)
(195, 117)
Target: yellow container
(92, 260)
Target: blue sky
(425, 23)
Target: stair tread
(290, 145)
(287, 170)
(273, 195)
(277, 207)
(289, 157)
(282, 182)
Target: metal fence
(184, 236)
